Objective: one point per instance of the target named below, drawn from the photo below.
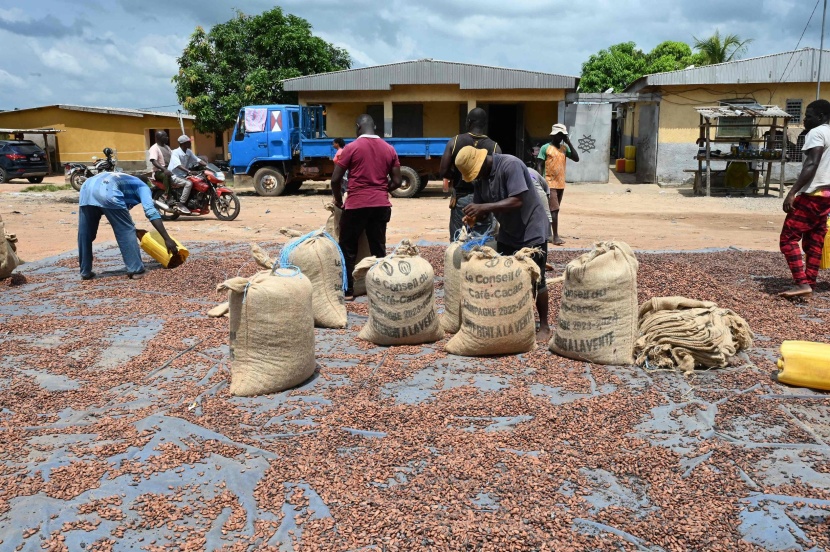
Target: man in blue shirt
(503, 188)
(113, 195)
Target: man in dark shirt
(504, 189)
(463, 191)
(374, 171)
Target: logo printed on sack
(387, 268)
(492, 263)
(404, 267)
(508, 263)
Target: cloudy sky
(122, 53)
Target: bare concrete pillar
(471, 104)
(387, 118)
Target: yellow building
(88, 130)
(667, 128)
(428, 98)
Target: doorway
(503, 127)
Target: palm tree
(720, 49)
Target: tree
(720, 49)
(243, 61)
(671, 56)
(616, 67)
(622, 64)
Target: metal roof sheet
(108, 110)
(756, 110)
(794, 66)
(427, 71)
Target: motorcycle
(208, 193)
(77, 173)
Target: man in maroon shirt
(370, 162)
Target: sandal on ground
(88, 277)
(136, 275)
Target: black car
(22, 159)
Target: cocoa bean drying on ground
(117, 430)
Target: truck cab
(282, 146)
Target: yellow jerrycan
(805, 364)
(825, 251)
(153, 244)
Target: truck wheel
(410, 183)
(424, 181)
(269, 182)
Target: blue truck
(286, 145)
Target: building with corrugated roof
(430, 98)
(88, 130)
(665, 130)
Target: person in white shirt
(181, 162)
(158, 158)
(808, 203)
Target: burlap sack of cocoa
(271, 331)
(333, 228)
(497, 299)
(598, 315)
(319, 258)
(454, 258)
(8, 252)
(401, 291)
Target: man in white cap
(502, 187)
(181, 162)
(551, 164)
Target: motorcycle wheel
(165, 215)
(226, 207)
(77, 180)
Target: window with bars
(794, 110)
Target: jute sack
(359, 274)
(333, 229)
(401, 300)
(453, 260)
(497, 298)
(598, 313)
(319, 258)
(8, 252)
(271, 331)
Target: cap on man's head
(559, 128)
(469, 161)
(184, 138)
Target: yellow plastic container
(631, 152)
(153, 244)
(630, 166)
(805, 364)
(825, 251)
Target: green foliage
(621, 64)
(614, 67)
(46, 188)
(243, 61)
(720, 49)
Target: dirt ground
(644, 215)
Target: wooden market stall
(761, 144)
